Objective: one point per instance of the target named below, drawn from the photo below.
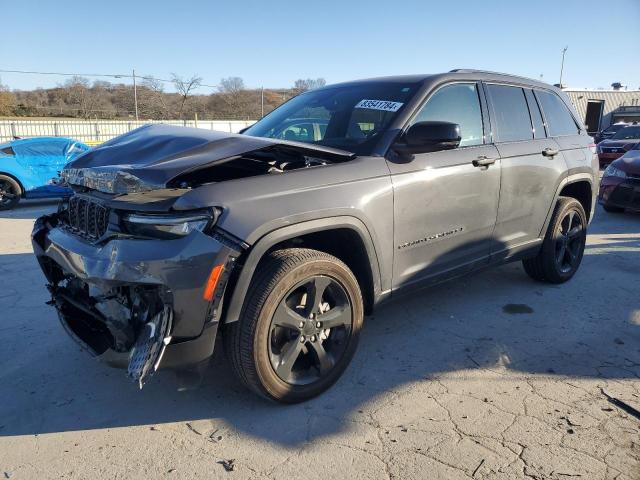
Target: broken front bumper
(136, 303)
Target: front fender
(274, 237)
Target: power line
(100, 75)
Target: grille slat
(86, 218)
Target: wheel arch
(582, 191)
(345, 237)
(11, 175)
(570, 186)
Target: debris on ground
(621, 405)
(477, 468)
(228, 465)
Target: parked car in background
(616, 146)
(27, 167)
(610, 131)
(620, 184)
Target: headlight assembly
(168, 225)
(612, 171)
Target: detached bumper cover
(136, 302)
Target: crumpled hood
(150, 157)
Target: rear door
(444, 206)
(532, 166)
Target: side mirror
(423, 137)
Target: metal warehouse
(601, 108)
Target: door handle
(483, 161)
(550, 152)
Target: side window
(510, 113)
(456, 103)
(536, 116)
(559, 119)
(7, 151)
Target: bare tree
(231, 85)
(79, 95)
(184, 88)
(7, 100)
(302, 85)
(152, 98)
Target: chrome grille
(86, 218)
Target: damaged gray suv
(283, 238)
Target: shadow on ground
(497, 319)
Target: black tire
(249, 341)
(10, 192)
(612, 209)
(555, 263)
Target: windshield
(627, 133)
(350, 117)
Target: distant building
(600, 108)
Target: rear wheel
(299, 326)
(10, 192)
(563, 245)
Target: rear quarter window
(559, 120)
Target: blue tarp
(34, 162)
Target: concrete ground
(493, 376)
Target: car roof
(456, 74)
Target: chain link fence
(97, 131)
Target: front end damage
(136, 281)
(139, 304)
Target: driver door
(445, 207)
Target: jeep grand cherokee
(282, 246)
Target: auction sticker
(379, 105)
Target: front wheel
(10, 192)
(299, 325)
(563, 245)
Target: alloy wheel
(569, 242)
(310, 330)
(7, 193)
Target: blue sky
(272, 44)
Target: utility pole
(564, 50)
(262, 102)
(135, 94)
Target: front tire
(299, 325)
(563, 245)
(10, 192)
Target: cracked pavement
(491, 376)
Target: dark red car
(620, 184)
(615, 147)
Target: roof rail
(473, 70)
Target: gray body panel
(445, 212)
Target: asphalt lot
(493, 376)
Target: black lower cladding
(111, 293)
